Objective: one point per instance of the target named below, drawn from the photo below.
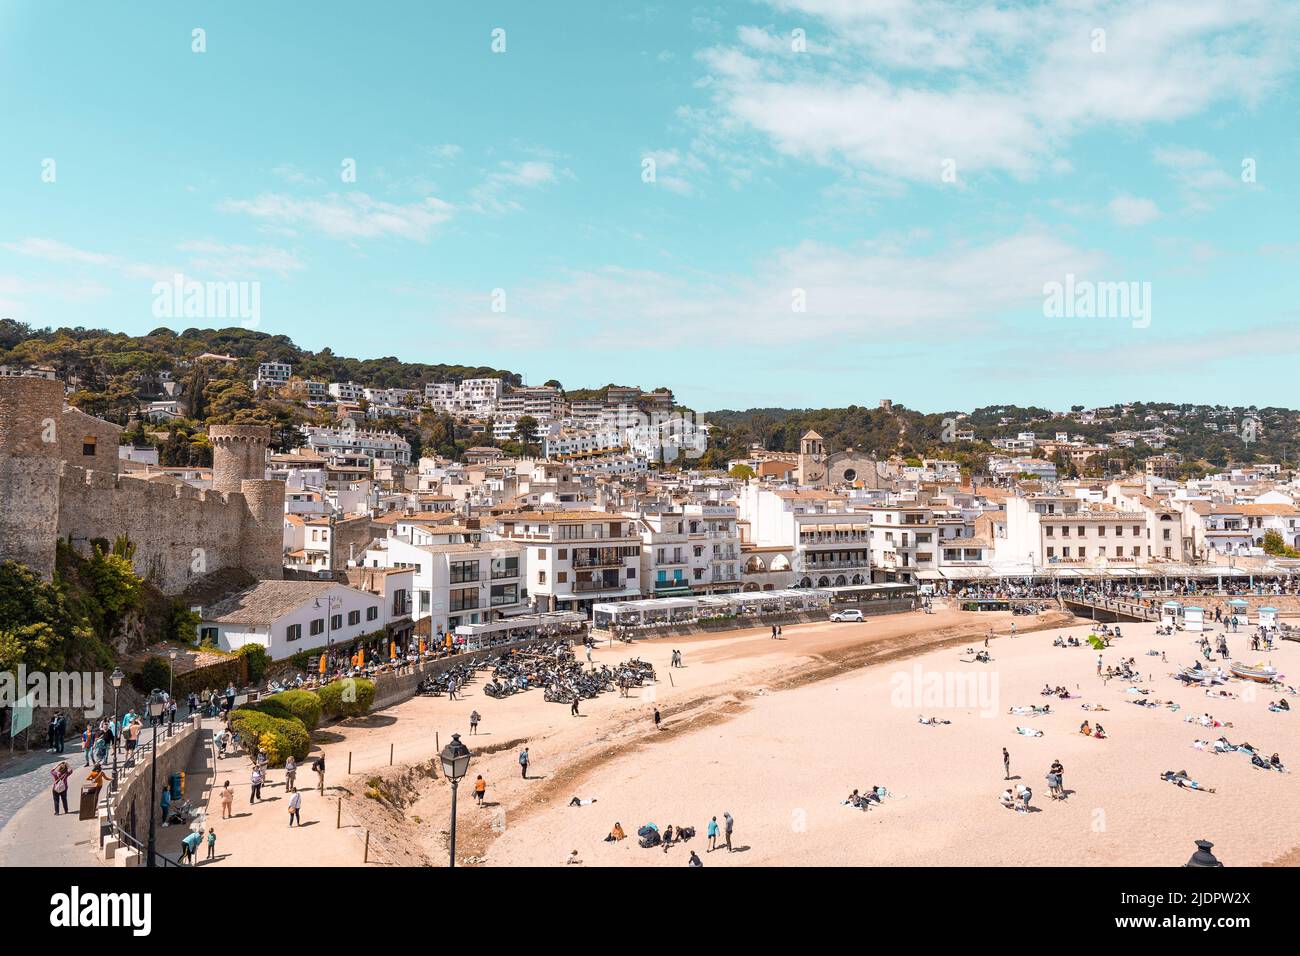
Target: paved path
(30, 833)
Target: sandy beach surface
(779, 732)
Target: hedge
(301, 704)
(258, 660)
(276, 736)
(350, 697)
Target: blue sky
(913, 173)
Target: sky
(797, 203)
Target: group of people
(863, 801)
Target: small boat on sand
(1265, 673)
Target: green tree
(741, 471)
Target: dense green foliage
(277, 736)
(257, 660)
(350, 697)
(301, 705)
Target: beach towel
(1028, 732)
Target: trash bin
(87, 809)
(176, 786)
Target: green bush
(277, 736)
(257, 659)
(350, 697)
(300, 704)
(305, 660)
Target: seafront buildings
(345, 530)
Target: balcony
(853, 564)
(599, 562)
(588, 586)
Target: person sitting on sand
(573, 858)
(616, 834)
(854, 800)
(1276, 763)
(1023, 796)
(1099, 732)
(1086, 729)
(1007, 800)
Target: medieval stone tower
(812, 460)
(31, 412)
(239, 466)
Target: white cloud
(230, 260)
(292, 174)
(496, 192)
(898, 87)
(1132, 210)
(353, 215)
(897, 290)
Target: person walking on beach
(61, 773)
(658, 719)
(290, 774)
(774, 632)
(227, 800)
(1006, 764)
(480, 790)
(257, 778)
(474, 718)
(523, 763)
(711, 831)
(295, 806)
(728, 825)
(319, 767)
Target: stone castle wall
(180, 533)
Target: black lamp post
(171, 683)
(116, 678)
(1203, 858)
(455, 764)
(156, 706)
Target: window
(208, 635)
(424, 600)
(1101, 531)
(463, 571)
(1119, 531)
(317, 626)
(631, 573)
(505, 594)
(1051, 553)
(505, 567)
(372, 613)
(354, 617)
(336, 621)
(1137, 551)
(561, 577)
(88, 445)
(293, 632)
(463, 599)
(1166, 536)
(1082, 531)
(1051, 532)
(1065, 552)
(564, 554)
(541, 577)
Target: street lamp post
(455, 764)
(155, 711)
(171, 684)
(116, 678)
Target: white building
(576, 557)
(373, 445)
(347, 391)
(290, 616)
(272, 375)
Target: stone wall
(180, 533)
(132, 800)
